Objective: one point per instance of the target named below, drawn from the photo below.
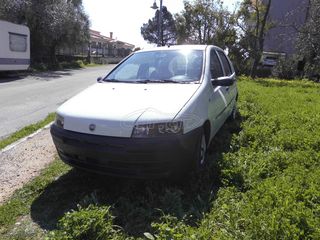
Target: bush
(312, 71)
(285, 69)
(72, 64)
(264, 71)
(87, 223)
(39, 66)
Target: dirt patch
(23, 162)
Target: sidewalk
(22, 161)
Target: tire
(234, 112)
(201, 151)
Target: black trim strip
(19, 34)
(14, 61)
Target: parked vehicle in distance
(15, 46)
(269, 61)
(153, 115)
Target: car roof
(176, 47)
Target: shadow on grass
(136, 203)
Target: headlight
(59, 120)
(157, 129)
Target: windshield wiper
(111, 80)
(116, 80)
(158, 81)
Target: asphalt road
(29, 99)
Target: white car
(154, 114)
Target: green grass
(26, 131)
(262, 182)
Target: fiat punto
(152, 116)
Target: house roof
(97, 36)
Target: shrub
(285, 69)
(312, 71)
(88, 223)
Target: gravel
(24, 161)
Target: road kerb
(12, 145)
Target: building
(286, 16)
(104, 46)
(99, 47)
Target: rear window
(18, 42)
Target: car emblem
(92, 127)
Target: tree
(205, 22)
(308, 43)
(253, 20)
(13, 11)
(149, 30)
(52, 24)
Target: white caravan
(14, 46)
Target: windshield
(177, 66)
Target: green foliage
(285, 69)
(149, 31)
(308, 44)
(253, 21)
(171, 228)
(205, 22)
(87, 223)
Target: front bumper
(126, 157)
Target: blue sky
(124, 18)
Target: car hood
(114, 108)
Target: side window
(215, 66)
(225, 63)
(18, 42)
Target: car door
(230, 91)
(217, 99)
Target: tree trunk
(52, 56)
(260, 40)
(255, 65)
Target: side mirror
(223, 81)
(99, 79)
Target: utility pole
(154, 6)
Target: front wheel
(201, 151)
(234, 111)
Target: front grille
(125, 167)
